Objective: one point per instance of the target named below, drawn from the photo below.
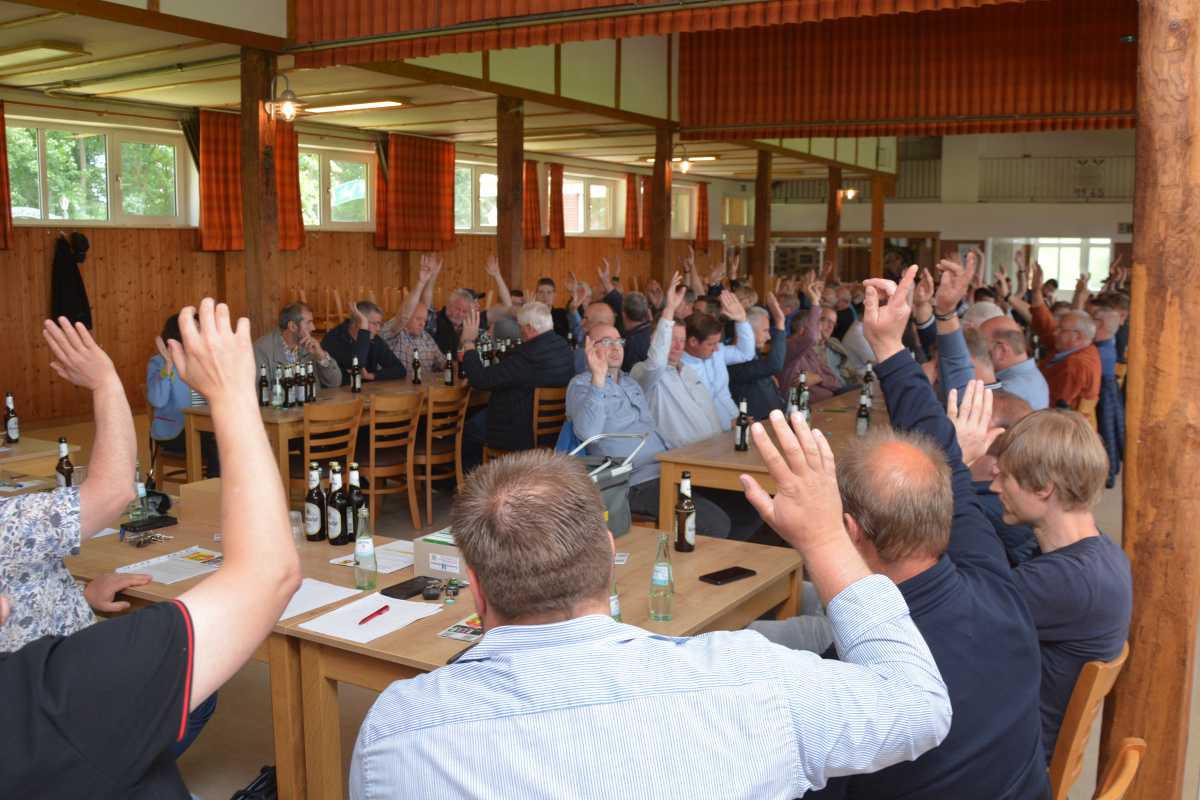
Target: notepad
(389, 558)
(313, 594)
(342, 623)
(191, 562)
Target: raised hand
(597, 361)
(492, 267)
(1035, 284)
(731, 307)
(689, 261)
(675, 292)
(654, 293)
(956, 279)
(360, 319)
(164, 352)
(430, 266)
(806, 509)
(717, 274)
(470, 328)
(77, 357)
(922, 302)
(214, 359)
(972, 420)
(101, 592)
(604, 273)
(777, 315)
(884, 325)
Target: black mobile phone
(409, 588)
(727, 575)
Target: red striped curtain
(557, 238)
(531, 215)
(287, 186)
(6, 218)
(333, 20)
(647, 201)
(1037, 66)
(415, 209)
(631, 212)
(701, 244)
(220, 181)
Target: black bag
(261, 788)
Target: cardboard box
(200, 503)
(436, 556)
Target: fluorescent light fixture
(368, 105)
(693, 159)
(39, 52)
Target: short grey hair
(293, 312)
(537, 316)
(757, 312)
(461, 294)
(1083, 321)
(367, 307)
(636, 307)
(980, 313)
(978, 346)
(531, 525)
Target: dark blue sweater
(754, 381)
(980, 633)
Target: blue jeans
(195, 723)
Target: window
(463, 197)
(335, 189)
(588, 205)
(683, 203)
(1063, 258)
(488, 192)
(115, 176)
(476, 193)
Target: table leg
(281, 456)
(668, 487)
(286, 717)
(791, 606)
(195, 469)
(322, 734)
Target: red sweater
(1074, 378)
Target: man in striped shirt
(559, 700)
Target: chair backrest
(1095, 681)
(445, 412)
(1123, 769)
(330, 431)
(549, 414)
(1088, 409)
(393, 421)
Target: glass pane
(1048, 258)
(487, 199)
(348, 191)
(1068, 269)
(148, 179)
(24, 179)
(573, 205)
(600, 207)
(1099, 241)
(462, 198)
(1099, 257)
(310, 188)
(681, 213)
(77, 172)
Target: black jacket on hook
(68, 295)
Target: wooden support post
(260, 215)
(1151, 698)
(761, 267)
(833, 219)
(879, 191)
(660, 207)
(510, 173)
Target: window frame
(325, 190)
(692, 193)
(477, 168)
(587, 180)
(1085, 244)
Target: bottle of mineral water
(366, 569)
(138, 510)
(614, 599)
(662, 582)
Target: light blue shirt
(620, 407)
(591, 708)
(714, 370)
(682, 407)
(167, 398)
(1026, 381)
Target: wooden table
(280, 651)
(714, 463)
(699, 607)
(31, 456)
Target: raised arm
(648, 371)
(234, 609)
(493, 270)
(743, 344)
(954, 360)
(109, 487)
(421, 293)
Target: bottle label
(364, 548)
(863, 425)
(689, 529)
(62, 480)
(662, 575)
(141, 489)
(614, 606)
(335, 481)
(334, 523)
(13, 429)
(63, 450)
(312, 519)
(741, 436)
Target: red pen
(374, 614)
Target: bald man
(1014, 368)
(913, 514)
(596, 313)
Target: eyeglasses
(606, 342)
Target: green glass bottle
(662, 583)
(366, 568)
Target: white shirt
(860, 352)
(682, 406)
(714, 370)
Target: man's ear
(854, 530)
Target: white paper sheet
(191, 562)
(105, 532)
(343, 622)
(389, 558)
(313, 594)
(10, 486)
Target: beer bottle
(355, 496)
(802, 399)
(793, 403)
(264, 386)
(462, 366)
(614, 599)
(314, 505)
(571, 339)
(312, 383)
(277, 388)
(662, 582)
(301, 384)
(741, 435)
(685, 516)
(448, 377)
(288, 388)
(12, 423)
(355, 376)
(862, 423)
(366, 568)
(869, 380)
(65, 470)
(336, 508)
(416, 368)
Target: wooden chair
(1095, 681)
(330, 432)
(1123, 769)
(549, 416)
(392, 424)
(439, 451)
(1088, 409)
(1122, 370)
(167, 466)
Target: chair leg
(413, 506)
(373, 500)
(429, 491)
